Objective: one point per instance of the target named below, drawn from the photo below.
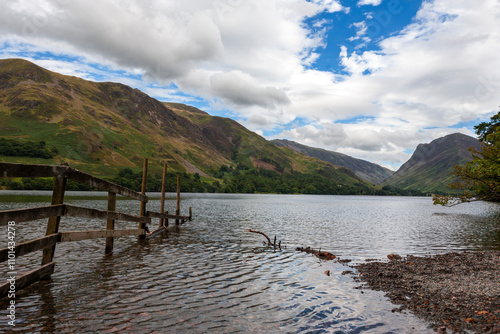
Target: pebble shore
(454, 292)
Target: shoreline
(453, 292)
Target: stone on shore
(454, 292)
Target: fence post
(178, 210)
(110, 224)
(162, 206)
(53, 222)
(142, 225)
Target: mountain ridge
(366, 170)
(99, 127)
(429, 167)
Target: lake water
(211, 276)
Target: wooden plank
(85, 235)
(76, 211)
(28, 278)
(178, 208)
(26, 170)
(30, 246)
(25, 215)
(90, 180)
(163, 221)
(152, 214)
(110, 223)
(143, 192)
(53, 222)
(159, 231)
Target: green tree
(479, 179)
(17, 148)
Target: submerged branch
(259, 232)
(269, 243)
(317, 253)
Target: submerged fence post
(162, 205)
(178, 210)
(53, 222)
(110, 224)
(142, 225)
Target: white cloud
(357, 64)
(385, 144)
(331, 6)
(369, 2)
(440, 71)
(257, 59)
(362, 27)
(239, 88)
(195, 43)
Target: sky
(367, 78)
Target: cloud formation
(369, 2)
(438, 73)
(258, 59)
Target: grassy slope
(246, 147)
(101, 127)
(366, 170)
(96, 127)
(429, 168)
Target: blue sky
(380, 22)
(368, 78)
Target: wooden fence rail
(54, 212)
(25, 215)
(30, 246)
(24, 170)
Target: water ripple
(212, 276)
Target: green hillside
(364, 169)
(429, 168)
(101, 128)
(96, 127)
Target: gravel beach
(454, 292)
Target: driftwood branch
(269, 243)
(317, 253)
(259, 232)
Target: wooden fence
(58, 209)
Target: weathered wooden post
(142, 225)
(178, 210)
(190, 214)
(110, 224)
(162, 205)
(53, 222)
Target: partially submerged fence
(58, 209)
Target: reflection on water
(211, 276)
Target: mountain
(241, 145)
(429, 168)
(100, 127)
(364, 169)
(95, 126)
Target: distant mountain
(364, 169)
(241, 145)
(100, 127)
(429, 168)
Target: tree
(479, 179)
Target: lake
(211, 276)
